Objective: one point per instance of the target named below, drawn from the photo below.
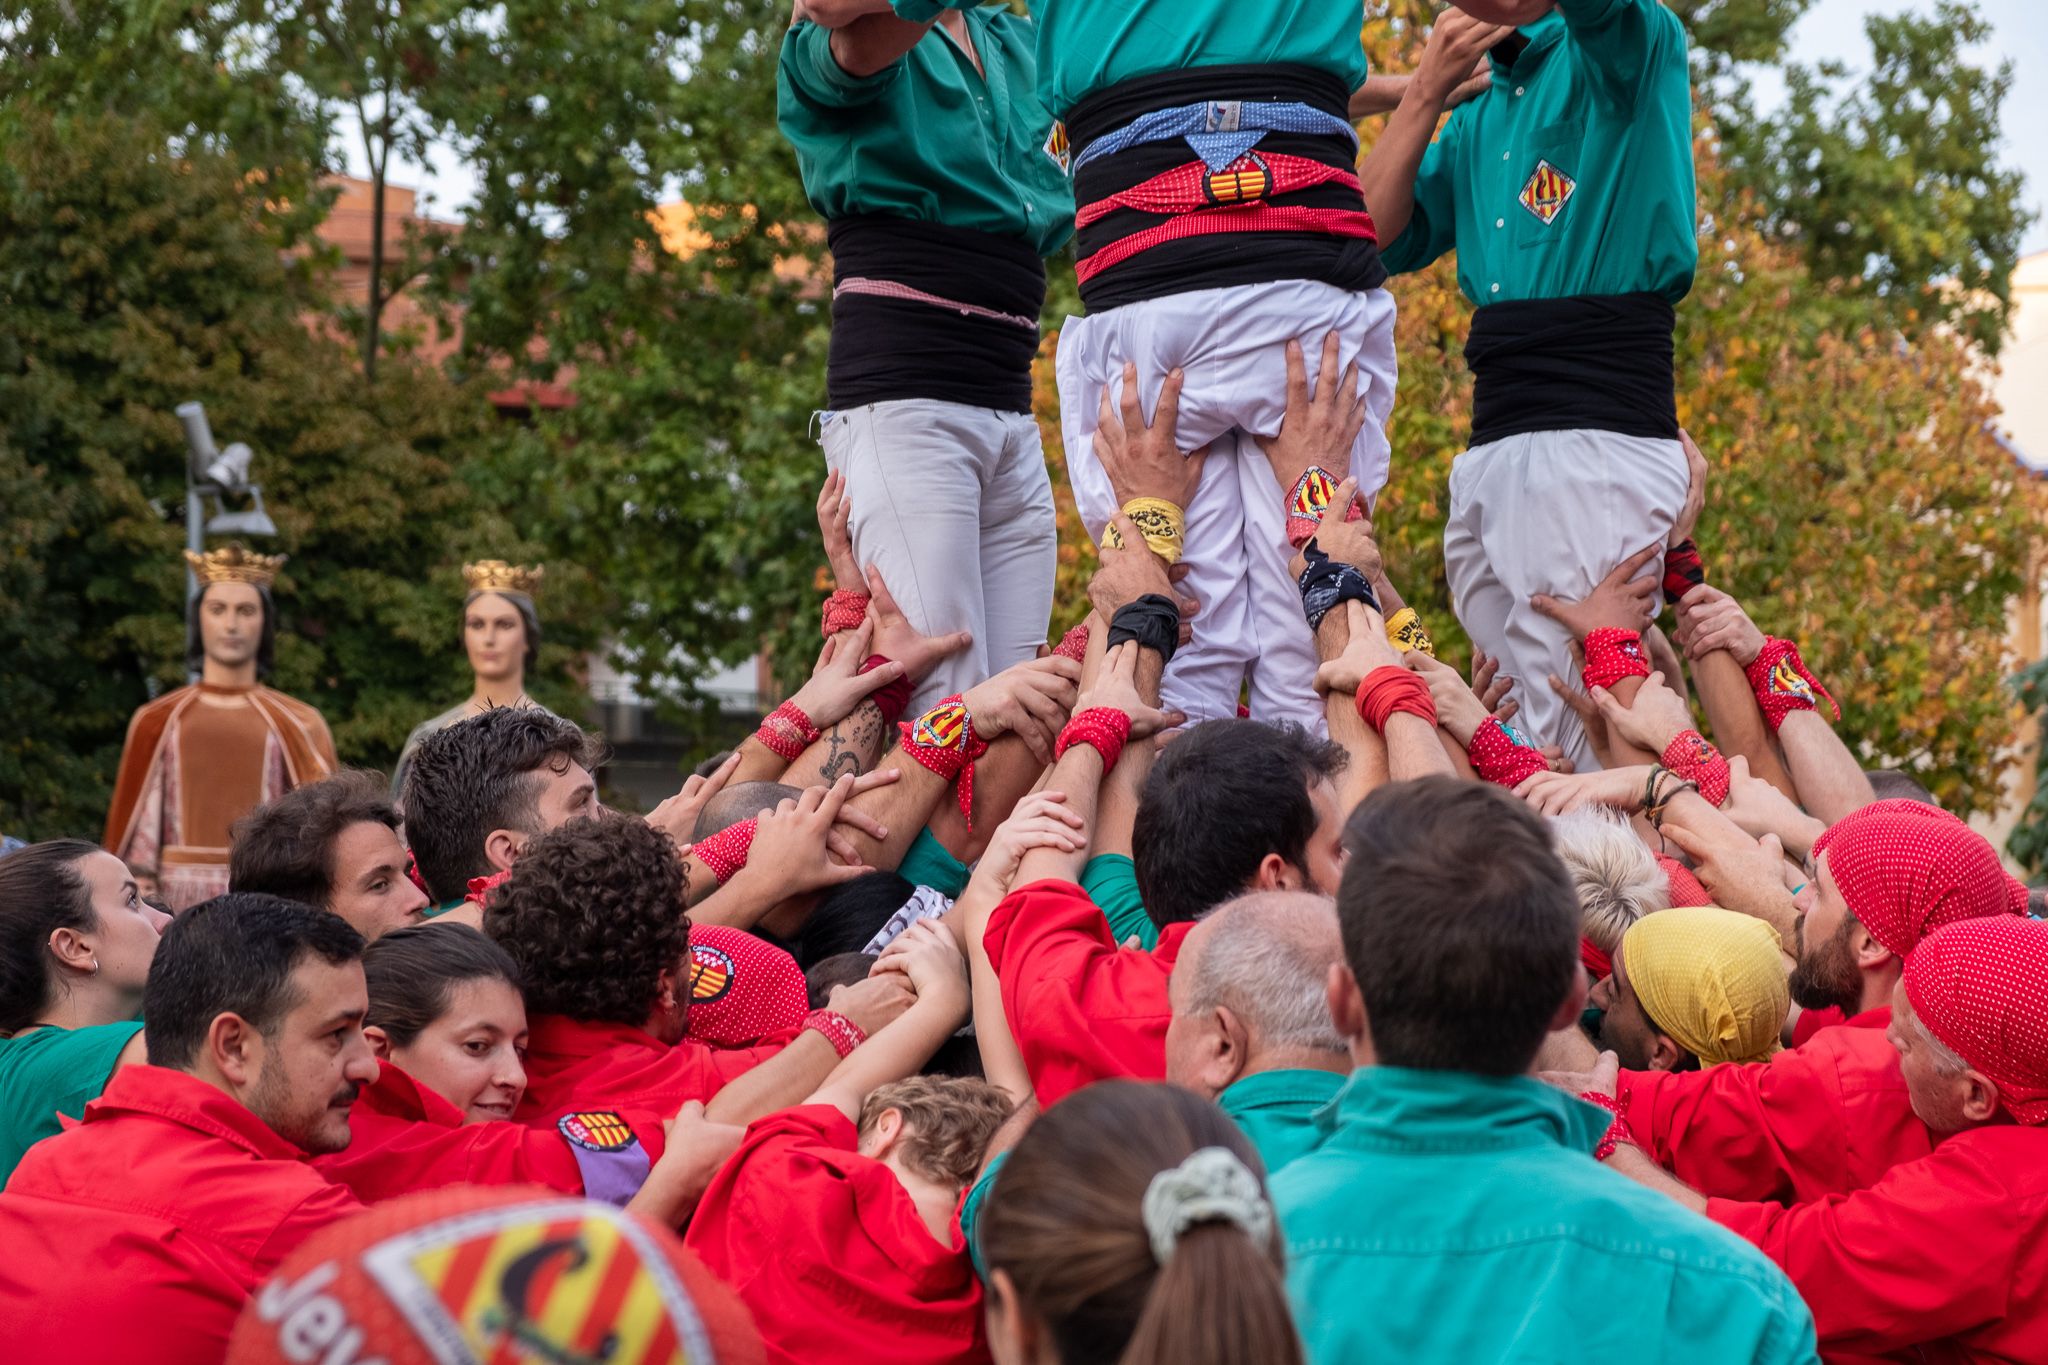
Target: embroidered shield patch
(1547, 191)
(1786, 682)
(566, 1282)
(1057, 148)
(1242, 181)
(710, 974)
(942, 727)
(597, 1130)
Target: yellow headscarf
(1712, 979)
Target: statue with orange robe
(199, 758)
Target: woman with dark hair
(501, 636)
(447, 1022)
(1131, 1224)
(76, 940)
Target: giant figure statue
(501, 635)
(199, 758)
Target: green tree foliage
(1887, 178)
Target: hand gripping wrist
(1326, 582)
(1153, 621)
(1309, 502)
(1104, 729)
(1162, 523)
(1390, 689)
(892, 699)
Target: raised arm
(1407, 180)
(928, 961)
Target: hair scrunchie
(1389, 689)
(1210, 1186)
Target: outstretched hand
(1144, 460)
(895, 638)
(1116, 687)
(837, 685)
(835, 513)
(677, 816)
(1319, 425)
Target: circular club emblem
(711, 974)
(1241, 182)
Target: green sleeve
(927, 863)
(52, 1071)
(1111, 881)
(1433, 223)
(924, 11)
(1622, 40)
(970, 1212)
(815, 74)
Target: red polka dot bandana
(1907, 869)
(742, 988)
(1981, 987)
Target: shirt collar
(192, 1103)
(1543, 35)
(1393, 1108)
(575, 1039)
(1879, 1018)
(1288, 1086)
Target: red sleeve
(1082, 1009)
(730, 1063)
(791, 1183)
(396, 1157)
(1760, 1130)
(1928, 1252)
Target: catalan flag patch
(711, 973)
(1056, 147)
(942, 727)
(566, 1281)
(1244, 180)
(1547, 191)
(597, 1130)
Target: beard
(1825, 977)
(309, 1128)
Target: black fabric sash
(1590, 363)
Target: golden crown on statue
(235, 564)
(495, 575)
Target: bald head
(1249, 991)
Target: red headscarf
(1981, 987)
(1907, 869)
(742, 988)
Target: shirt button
(1504, 156)
(1500, 222)
(1518, 92)
(1496, 289)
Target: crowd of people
(1228, 980)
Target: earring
(95, 967)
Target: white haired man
(1616, 877)
(1251, 1024)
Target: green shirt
(50, 1071)
(927, 863)
(929, 138)
(1278, 1111)
(1572, 174)
(1088, 45)
(1457, 1217)
(1111, 881)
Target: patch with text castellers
(1547, 191)
(711, 973)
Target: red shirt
(139, 1233)
(1811, 1022)
(1827, 1118)
(1948, 1254)
(403, 1137)
(828, 1251)
(1081, 1008)
(573, 1065)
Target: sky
(1832, 29)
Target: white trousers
(954, 505)
(1551, 512)
(1231, 344)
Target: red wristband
(1598, 964)
(1391, 688)
(844, 610)
(1499, 756)
(1697, 761)
(1074, 644)
(892, 698)
(787, 732)
(1618, 1132)
(726, 851)
(1783, 684)
(1613, 654)
(837, 1029)
(1683, 570)
(943, 740)
(1102, 728)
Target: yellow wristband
(1405, 632)
(1162, 523)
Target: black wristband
(1325, 582)
(1153, 621)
